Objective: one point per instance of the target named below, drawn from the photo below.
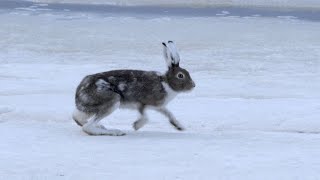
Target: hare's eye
(180, 75)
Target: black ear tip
(164, 44)
(170, 41)
(173, 65)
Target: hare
(98, 95)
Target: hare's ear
(171, 54)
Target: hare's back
(137, 86)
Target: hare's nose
(193, 84)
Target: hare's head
(178, 78)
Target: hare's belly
(152, 102)
(130, 105)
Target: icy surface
(197, 3)
(253, 115)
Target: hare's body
(131, 86)
(100, 94)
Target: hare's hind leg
(107, 103)
(142, 120)
(93, 127)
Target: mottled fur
(100, 94)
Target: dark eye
(180, 75)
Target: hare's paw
(177, 125)
(98, 130)
(180, 128)
(139, 123)
(115, 132)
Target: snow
(253, 114)
(197, 3)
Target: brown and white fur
(98, 95)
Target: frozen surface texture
(197, 3)
(253, 115)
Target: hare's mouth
(193, 84)
(189, 89)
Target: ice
(197, 3)
(253, 114)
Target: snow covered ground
(253, 115)
(197, 3)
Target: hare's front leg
(171, 118)
(142, 120)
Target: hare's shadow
(160, 135)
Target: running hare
(98, 95)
